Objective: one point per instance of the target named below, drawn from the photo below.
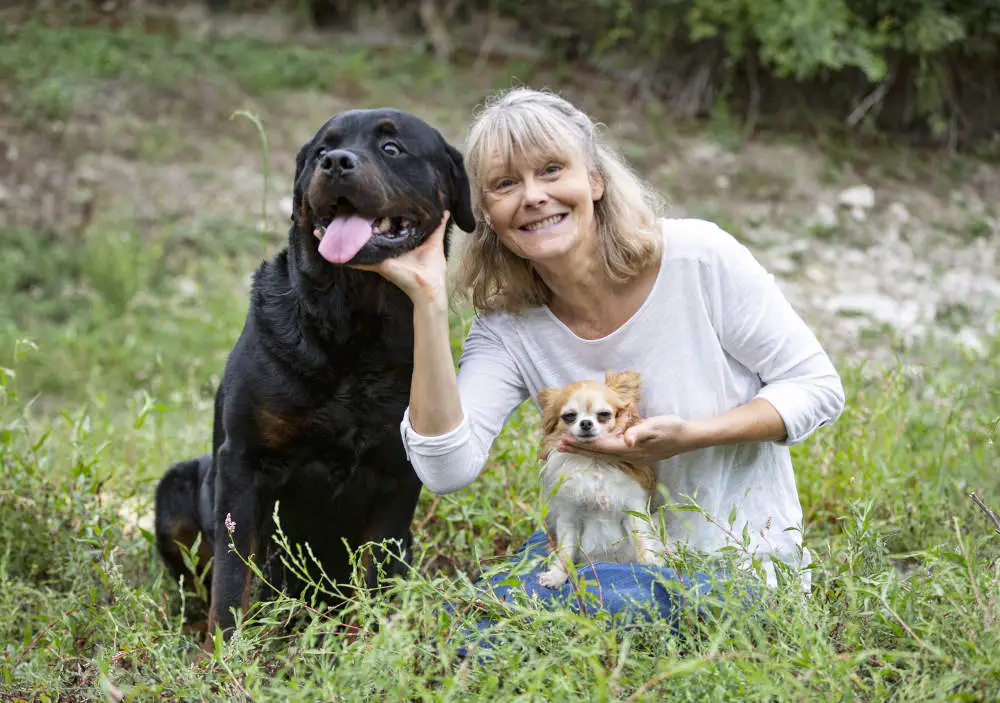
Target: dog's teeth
(381, 225)
(318, 233)
(404, 222)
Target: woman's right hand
(420, 273)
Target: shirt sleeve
(490, 387)
(758, 327)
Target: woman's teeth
(542, 224)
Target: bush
(923, 67)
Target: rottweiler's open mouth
(343, 232)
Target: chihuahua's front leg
(564, 554)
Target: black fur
(309, 406)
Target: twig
(430, 513)
(986, 509)
(873, 98)
(902, 623)
(39, 636)
(236, 681)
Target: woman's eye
(604, 416)
(391, 148)
(568, 418)
(552, 168)
(503, 184)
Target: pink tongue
(344, 237)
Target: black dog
(315, 387)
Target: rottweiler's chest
(352, 416)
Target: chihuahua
(592, 499)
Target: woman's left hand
(653, 439)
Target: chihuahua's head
(588, 409)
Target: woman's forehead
(525, 140)
(513, 160)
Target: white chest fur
(588, 511)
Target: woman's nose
(534, 193)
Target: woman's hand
(653, 439)
(420, 273)
(663, 436)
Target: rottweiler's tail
(177, 515)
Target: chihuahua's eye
(569, 418)
(604, 416)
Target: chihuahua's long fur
(591, 499)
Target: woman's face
(542, 208)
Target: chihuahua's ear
(550, 415)
(625, 384)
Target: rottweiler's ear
(300, 165)
(461, 204)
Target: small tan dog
(589, 511)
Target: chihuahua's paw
(553, 578)
(652, 553)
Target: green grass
(127, 330)
(904, 605)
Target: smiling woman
(576, 272)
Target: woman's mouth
(542, 225)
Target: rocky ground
(877, 261)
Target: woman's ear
(596, 185)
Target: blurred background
(849, 142)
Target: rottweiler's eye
(391, 148)
(319, 152)
(604, 416)
(569, 418)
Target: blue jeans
(627, 592)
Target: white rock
(186, 287)
(824, 216)
(898, 213)
(722, 182)
(880, 308)
(782, 265)
(814, 274)
(970, 339)
(860, 197)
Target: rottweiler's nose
(339, 162)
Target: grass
(110, 350)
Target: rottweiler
(307, 413)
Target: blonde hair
(541, 124)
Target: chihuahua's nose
(586, 425)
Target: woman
(573, 271)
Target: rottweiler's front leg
(237, 510)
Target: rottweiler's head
(373, 184)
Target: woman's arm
(452, 419)
(757, 326)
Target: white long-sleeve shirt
(714, 333)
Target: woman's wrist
(756, 421)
